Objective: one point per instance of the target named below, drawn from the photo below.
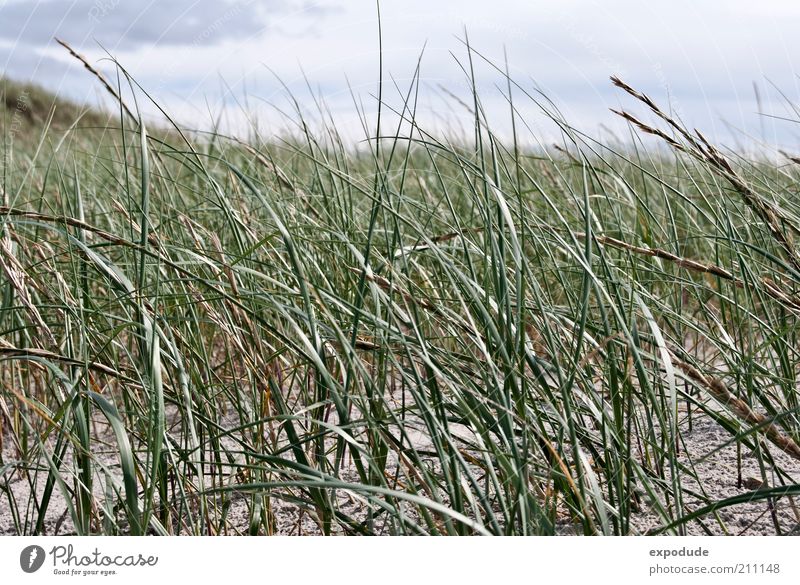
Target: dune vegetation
(290, 334)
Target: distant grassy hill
(27, 105)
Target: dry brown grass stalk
(721, 393)
(100, 77)
(770, 286)
(700, 148)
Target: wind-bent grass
(423, 337)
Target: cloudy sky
(205, 58)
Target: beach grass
(410, 335)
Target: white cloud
(702, 57)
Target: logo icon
(31, 558)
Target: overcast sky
(201, 57)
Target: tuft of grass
(200, 335)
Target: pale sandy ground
(720, 480)
(716, 464)
(718, 470)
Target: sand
(717, 466)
